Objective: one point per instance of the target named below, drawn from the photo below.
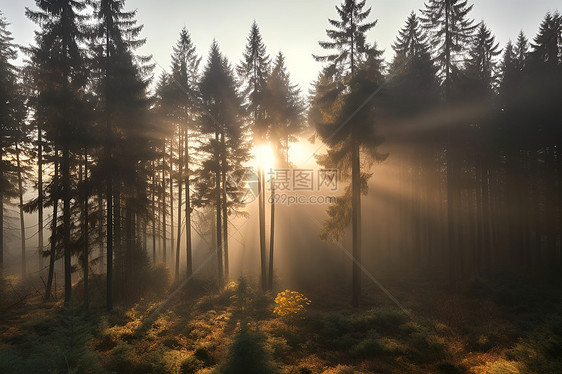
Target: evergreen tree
(11, 120)
(344, 116)
(122, 79)
(254, 71)
(547, 45)
(179, 103)
(414, 83)
(481, 66)
(224, 144)
(62, 74)
(450, 32)
(285, 110)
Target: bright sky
(291, 26)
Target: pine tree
(224, 144)
(413, 74)
(179, 101)
(450, 32)
(343, 115)
(10, 122)
(547, 45)
(61, 63)
(284, 108)
(254, 71)
(123, 80)
(481, 66)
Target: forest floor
(500, 325)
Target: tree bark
(22, 220)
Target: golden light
(301, 152)
(264, 156)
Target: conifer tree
(179, 102)
(450, 33)
(412, 71)
(481, 66)
(122, 79)
(224, 144)
(61, 65)
(285, 110)
(253, 72)
(11, 123)
(343, 115)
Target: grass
(205, 330)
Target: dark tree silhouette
(352, 75)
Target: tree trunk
(40, 195)
(219, 219)
(52, 254)
(163, 206)
(171, 169)
(224, 208)
(180, 185)
(22, 220)
(1, 216)
(271, 235)
(153, 186)
(261, 202)
(86, 262)
(356, 219)
(66, 223)
(187, 209)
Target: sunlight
(301, 153)
(264, 157)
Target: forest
(399, 215)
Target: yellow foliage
(290, 304)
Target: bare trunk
(219, 219)
(52, 254)
(356, 220)
(271, 234)
(40, 196)
(22, 220)
(224, 208)
(187, 209)
(180, 185)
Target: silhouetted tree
(10, 122)
(343, 115)
(61, 62)
(284, 108)
(224, 142)
(254, 71)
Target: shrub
(248, 354)
(190, 365)
(290, 305)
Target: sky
(291, 26)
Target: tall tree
(413, 74)
(9, 121)
(343, 113)
(123, 84)
(451, 32)
(60, 57)
(179, 100)
(285, 110)
(224, 144)
(254, 71)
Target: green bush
(191, 365)
(369, 347)
(248, 354)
